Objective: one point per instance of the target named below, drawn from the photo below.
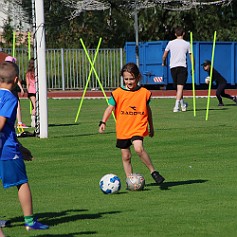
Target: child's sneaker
(157, 177)
(36, 226)
(184, 107)
(175, 110)
(4, 223)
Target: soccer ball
(135, 182)
(110, 183)
(207, 80)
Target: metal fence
(70, 69)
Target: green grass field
(197, 158)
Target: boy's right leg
(126, 159)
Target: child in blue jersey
(12, 167)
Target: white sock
(177, 104)
(182, 102)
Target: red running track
(155, 93)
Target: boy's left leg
(1, 233)
(138, 147)
(25, 199)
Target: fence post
(62, 68)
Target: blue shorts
(13, 172)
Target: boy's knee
(126, 157)
(139, 150)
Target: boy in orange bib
(130, 104)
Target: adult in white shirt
(179, 49)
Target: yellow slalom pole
(96, 75)
(19, 128)
(193, 79)
(88, 79)
(29, 57)
(29, 46)
(211, 70)
(14, 44)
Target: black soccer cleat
(157, 177)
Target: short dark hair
(8, 72)
(131, 68)
(179, 31)
(206, 62)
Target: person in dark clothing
(220, 81)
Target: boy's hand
(151, 133)
(25, 153)
(102, 128)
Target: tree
(8, 32)
(116, 26)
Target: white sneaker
(184, 107)
(175, 110)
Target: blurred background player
(5, 57)
(220, 81)
(30, 85)
(178, 48)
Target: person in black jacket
(220, 81)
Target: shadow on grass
(168, 185)
(80, 135)
(230, 104)
(69, 235)
(56, 218)
(63, 125)
(219, 108)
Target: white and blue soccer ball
(110, 183)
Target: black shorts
(31, 95)
(126, 143)
(179, 75)
(15, 93)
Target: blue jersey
(9, 147)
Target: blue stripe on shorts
(13, 172)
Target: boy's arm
(192, 60)
(2, 122)
(164, 58)
(20, 86)
(150, 121)
(105, 117)
(26, 153)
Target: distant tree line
(116, 26)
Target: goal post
(40, 69)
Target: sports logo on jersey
(133, 107)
